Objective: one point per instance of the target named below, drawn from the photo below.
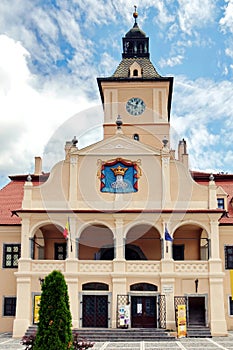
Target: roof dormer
(135, 70)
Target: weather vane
(135, 14)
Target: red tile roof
(11, 197)
(226, 182)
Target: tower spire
(135, 14)
(135, 42)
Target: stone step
(117, 335)
(198, 332)
(132, 334)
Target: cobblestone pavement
(216, 343)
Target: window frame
(57, 253)
(221, 203)
(230, 306)
(11, 306)
(226, 253)
(5, 253)
(178, 249)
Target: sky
(52, 51)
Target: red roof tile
(226, 182)
(11, 197)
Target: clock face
(135, 106)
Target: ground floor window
(9, 306)
(230, 306)
(228, 257)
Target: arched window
(136, 137)
(146, 287)
(135, 73)
(133, 252)
(95, 286)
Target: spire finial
(135, 14)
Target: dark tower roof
(135, 42)
(136, 49)
(135, 32)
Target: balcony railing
(193, 267)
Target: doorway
(196, 311)
(95, 311)
(143, 312)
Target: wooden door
(143, 312)
(95, 311)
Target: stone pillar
(71, 243)
(217, 313)
(168, 289)
(73, 183)
(212, 193)
(72, 284)
(166, 189)
(167, 244)
(23, 309)
(25, 235)
(216, 285)
(214, 236)
(119, 239)
(27, 196)
(119, 288)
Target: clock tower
(137, 93)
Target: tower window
(221, 203)
(140, 48)
(136, 137)
(135, 73)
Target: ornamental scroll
(119, 175)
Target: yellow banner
(181, 319)
(36, 308)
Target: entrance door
(95, 311)
(143, 312)
(196, 311)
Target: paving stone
(217, 343)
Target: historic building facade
(143, 229)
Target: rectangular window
(60, 251)
(11, 255)
(221, 203)
(230, 306)
(228, 257)
(178, 251)
(9, 306)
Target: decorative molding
(47, 267)
(147, 267)
(196, 267)
(95, 267)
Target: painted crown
(119, 170)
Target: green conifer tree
(54, 328)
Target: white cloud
(226, 22)
(171, 61)
(202, 114)
(195, 14)
(29, 116)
